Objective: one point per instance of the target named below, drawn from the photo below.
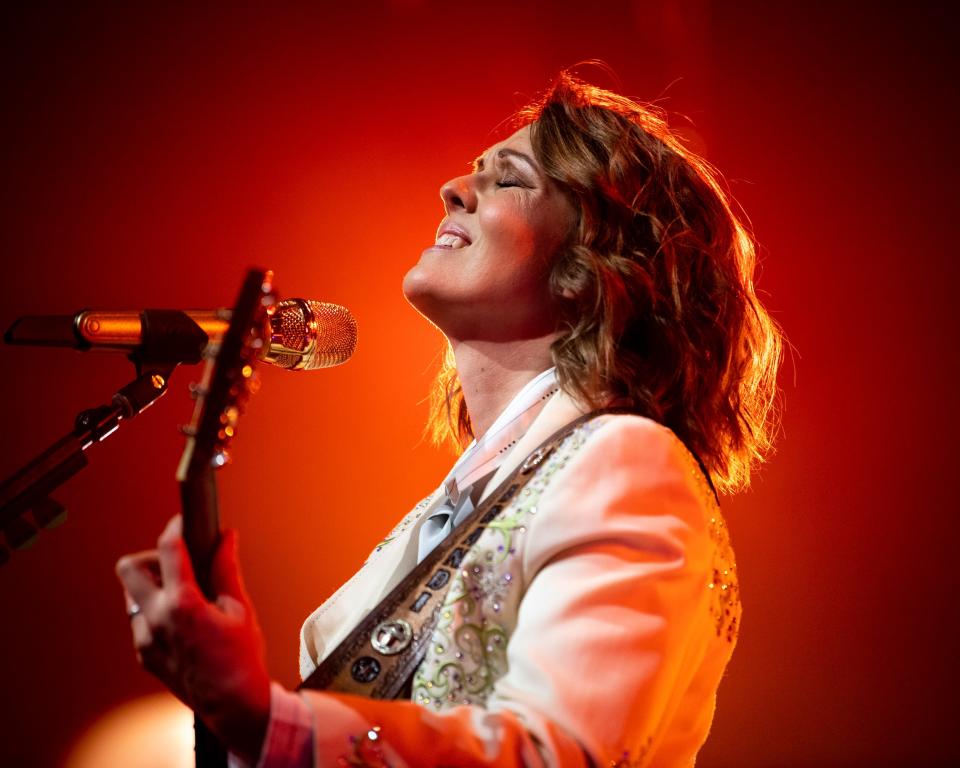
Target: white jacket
(589, 625)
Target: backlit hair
(656, 283)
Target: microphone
(303, 334)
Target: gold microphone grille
(323, 334)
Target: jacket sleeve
(613, 625)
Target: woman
(588, 262)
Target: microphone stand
(28, 490)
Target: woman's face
(486, 275)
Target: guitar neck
(220, 399)
(201, 525)
(201, 532)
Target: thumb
(225, 570)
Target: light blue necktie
(483, 457)
(448, 516)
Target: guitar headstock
(229, 379)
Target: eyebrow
(478, 164)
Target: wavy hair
(656, 285)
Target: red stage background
(152, 152)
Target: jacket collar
(559, 411)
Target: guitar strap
(379, 657)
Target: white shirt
(483, 457)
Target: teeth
(447, 240)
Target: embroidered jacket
(590, 624)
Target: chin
(421, 294)
(415, 285)
(448, 313)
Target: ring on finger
(133, 610)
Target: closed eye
(506, 159)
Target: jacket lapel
(329, 624)
(559, 411)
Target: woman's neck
(492, 373)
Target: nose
(459, 195)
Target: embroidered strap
(379, 657)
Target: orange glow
(156, 152)
(151, 732)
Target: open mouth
(449, 240)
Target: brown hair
(656, 283)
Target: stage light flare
(154, 731)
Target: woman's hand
(209, 654)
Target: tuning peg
(20, 534)
(49, 513)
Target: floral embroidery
(467, 654)
(469, 646)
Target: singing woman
(589, 270)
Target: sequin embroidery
(724, 588)
(469, 652)
(723, 585)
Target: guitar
(227, 383)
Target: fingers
(138, 623)
(139, 574)
(210, 656)
(149, 580)
(175, 567)
(225, 572)
(143, 639)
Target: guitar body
(228, 381)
